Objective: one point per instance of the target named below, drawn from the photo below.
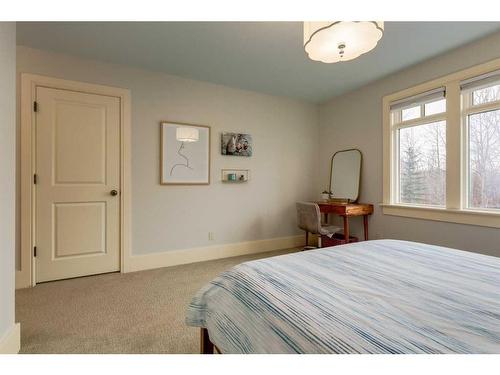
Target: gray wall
(284, 168)
(285, 134)
(355, 120)
(7, 174)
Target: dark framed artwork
(236, 144)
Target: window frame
(456, 206)
(468, 108)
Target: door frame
(25, 277)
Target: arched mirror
(345, 175)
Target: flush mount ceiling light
(335, 41)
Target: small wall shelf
(241, 175)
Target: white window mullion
(470, 109)
(395, 167)
(394, 162)
(466, 104)
(420, 121)
(465, 160)
(454, 188)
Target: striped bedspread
(381, 296)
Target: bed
(382, 296)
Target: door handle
(113, 192)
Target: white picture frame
(184, 163)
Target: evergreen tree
(412, 179)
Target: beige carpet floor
(140, 312)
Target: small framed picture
(184, 154)
(236, 144)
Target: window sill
(470, 217)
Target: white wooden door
(77, 164)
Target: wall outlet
(211, 236)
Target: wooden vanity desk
(346, 210)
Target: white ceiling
(260, 56)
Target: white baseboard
(200, 254)
(23, 279)
(11, 342)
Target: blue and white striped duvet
(370, 297)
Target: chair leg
(319, 241)
(307, 238)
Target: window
(410, 113)
(482, 120)
(442, 148)
(422, 164)
(419, 125)
(438, 106)
(486, 95)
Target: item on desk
(325, 195)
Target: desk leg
(365, 224)
(346, 228)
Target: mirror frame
(360, 171)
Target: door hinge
(34, 251)
(35, 107)
(35, 178)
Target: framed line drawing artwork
(184, 154)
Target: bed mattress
(382, 296)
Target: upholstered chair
(309, 219)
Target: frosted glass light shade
(335, 41)
(187, 134)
